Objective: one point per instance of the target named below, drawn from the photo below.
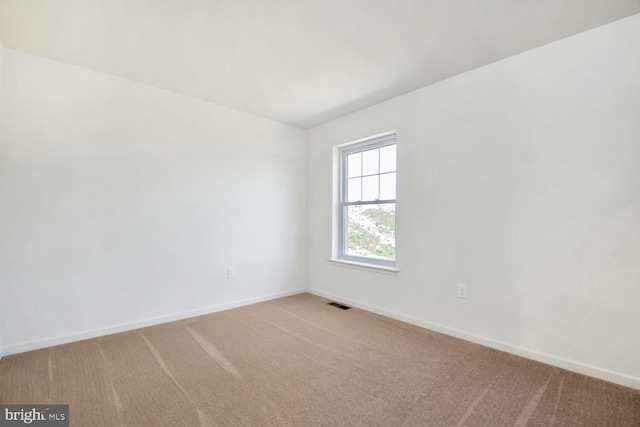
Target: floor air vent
(335, 304)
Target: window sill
(365, 267)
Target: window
(367, 217)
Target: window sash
(343, 229)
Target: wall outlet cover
(462, 290)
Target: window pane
(354, 165)
(370, 188)
(354, 189)
(370, 161)
(372, 231)
(388, 186)
(388, 159)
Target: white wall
(122, 205)
(521, 179)
(2, 300)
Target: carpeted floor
(297, 361)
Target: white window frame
(343, 204)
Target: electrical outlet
(462, 290)
(231, 272)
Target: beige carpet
(297, 361)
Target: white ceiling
(301, 62)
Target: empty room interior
(301, 213)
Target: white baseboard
(560, 362)
(65, 339)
